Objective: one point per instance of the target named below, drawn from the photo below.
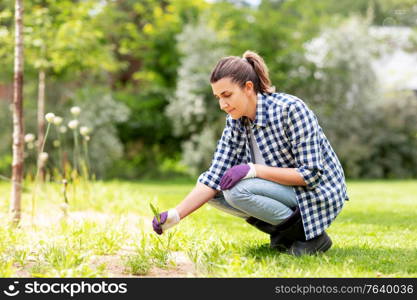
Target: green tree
(18, 130)
(230, 30)
(63, 44)
(143, 38)
(63, 39)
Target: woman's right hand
(167, 219)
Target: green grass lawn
(108, 233)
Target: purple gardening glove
(157, 225)
(168, 219)
(235, 174)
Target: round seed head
(73, 124)
(84, 130)
(30, 137)
(75, 110)
(63, 129)
(57, 120)
(50, 117)
(43, 156)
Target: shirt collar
(261, 111)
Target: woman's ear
(248, 86)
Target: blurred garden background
(135, 75)
(139, 71)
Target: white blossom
(63, 129)
(101, 112)
(192, 101)
(84, 130)
(30, 137)
(57, 120)
(75, 110)
(188, 106)
(50, 117)
(73, 124)
(43, 157)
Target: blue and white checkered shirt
(289, 136)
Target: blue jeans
(263, 199)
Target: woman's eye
(224, 96)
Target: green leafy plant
(138, 263)
(6, 268)
(161, 249)
(61, 257)
(369, 239)
(20, 256)
(155, 211)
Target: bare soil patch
(115, 267)
(113, 264)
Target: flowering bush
(193, 109)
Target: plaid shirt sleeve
(222, 160)
(304, 134)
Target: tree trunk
(41, 120)
(18, 130)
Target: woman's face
(233, 99)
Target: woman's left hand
(237, 173)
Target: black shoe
(289, 236)
(293, 229)
(277, 240)
(280, 242)
(287, 232)
(320, 243)
(261, 225)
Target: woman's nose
(223, 104)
